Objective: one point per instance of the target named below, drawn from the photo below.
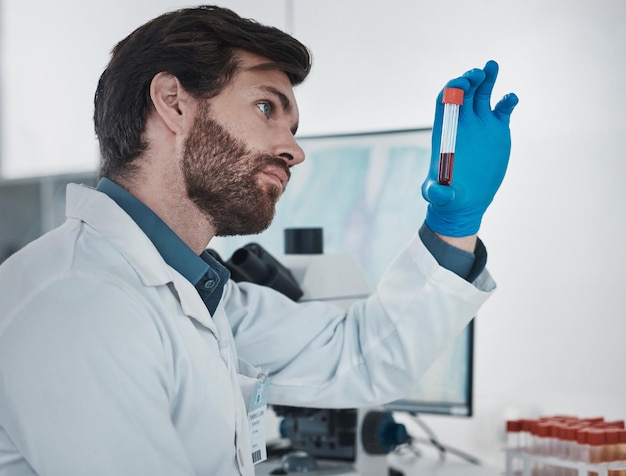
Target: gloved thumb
(437, 194)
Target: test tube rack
(529, 460)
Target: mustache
(269, 160)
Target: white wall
(552, 338)
(52, 56)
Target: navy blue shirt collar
(204, 271)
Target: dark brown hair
(198, 46)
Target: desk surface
(325, 469)
(450, 467)
(416, 467)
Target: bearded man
(126, 350)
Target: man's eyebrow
(284, 100)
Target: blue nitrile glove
(483, 146)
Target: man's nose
(290, 151)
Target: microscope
(341, 441)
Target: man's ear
(172, 103)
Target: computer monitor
(446, 388)
(364, 190)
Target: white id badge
(256, 419)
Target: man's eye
(265, 107)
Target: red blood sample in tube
(452, 100)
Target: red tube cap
(453, 96)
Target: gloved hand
(483, 146)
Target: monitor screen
(364, 190)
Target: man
(124, 347)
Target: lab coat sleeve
(86, 390)
(321, 356)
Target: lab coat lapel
(103, 214)
(192, 304)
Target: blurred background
(551, 340)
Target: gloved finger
(482, 101)
(468, 82)
(505, 107)
(437, 194)
(475, 77)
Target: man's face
(237, 156)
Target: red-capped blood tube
(452, 101)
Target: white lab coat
(110, 363)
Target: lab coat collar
(100, 212)
(171, 247)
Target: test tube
(452, 101)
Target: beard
(221, 177)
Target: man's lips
(277, 175)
